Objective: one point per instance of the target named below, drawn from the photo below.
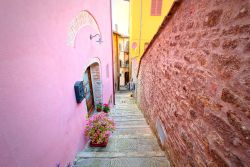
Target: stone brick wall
(195, 77)
(134, 70)
(96, 83)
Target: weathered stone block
(213, 18)
(228, 96)
(230, 44)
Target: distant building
(121, 59)
(145, 19)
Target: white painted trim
(83, 19)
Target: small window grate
(162, 134)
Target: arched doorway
(93, 86)
(87, 82)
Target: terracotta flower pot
(104, 144)
(105, 111)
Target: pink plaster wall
(40, 122)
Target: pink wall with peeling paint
(40, 122)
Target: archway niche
(93, 84)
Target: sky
(120, 16)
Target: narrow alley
(131, 145)
(67, 69)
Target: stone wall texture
(96, 83)
(195, 78)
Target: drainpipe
(140, 28)
(110, 7)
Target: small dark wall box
(79, 91)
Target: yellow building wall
(143, 26)
(116, 60)
(118, 39)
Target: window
(156, 6)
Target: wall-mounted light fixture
(96, 35)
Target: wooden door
(126, 78)
(89, 91)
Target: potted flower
(105, 108)
(98, 128)
(99, 107)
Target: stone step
(124, 162)
(130, 126)
(125, 114)
(145, 154)
(129, 131)
(131, 123)
(127, 117)
(133, 136)
(127, 145)
(126, 109)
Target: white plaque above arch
(83, 19)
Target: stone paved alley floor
(131, 145)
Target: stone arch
(96, 76)
(83, 19)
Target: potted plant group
(99, 107)
(98, 128)
(105, 108)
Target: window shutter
(156, 6)
(153, 6)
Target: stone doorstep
(143, 154)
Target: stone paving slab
(121, 154)
(127, 145)
(134, 122)
(127, 117)
(129, 131)
(131, 145)
(133, 136)
(131, 126)
(125, 162)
